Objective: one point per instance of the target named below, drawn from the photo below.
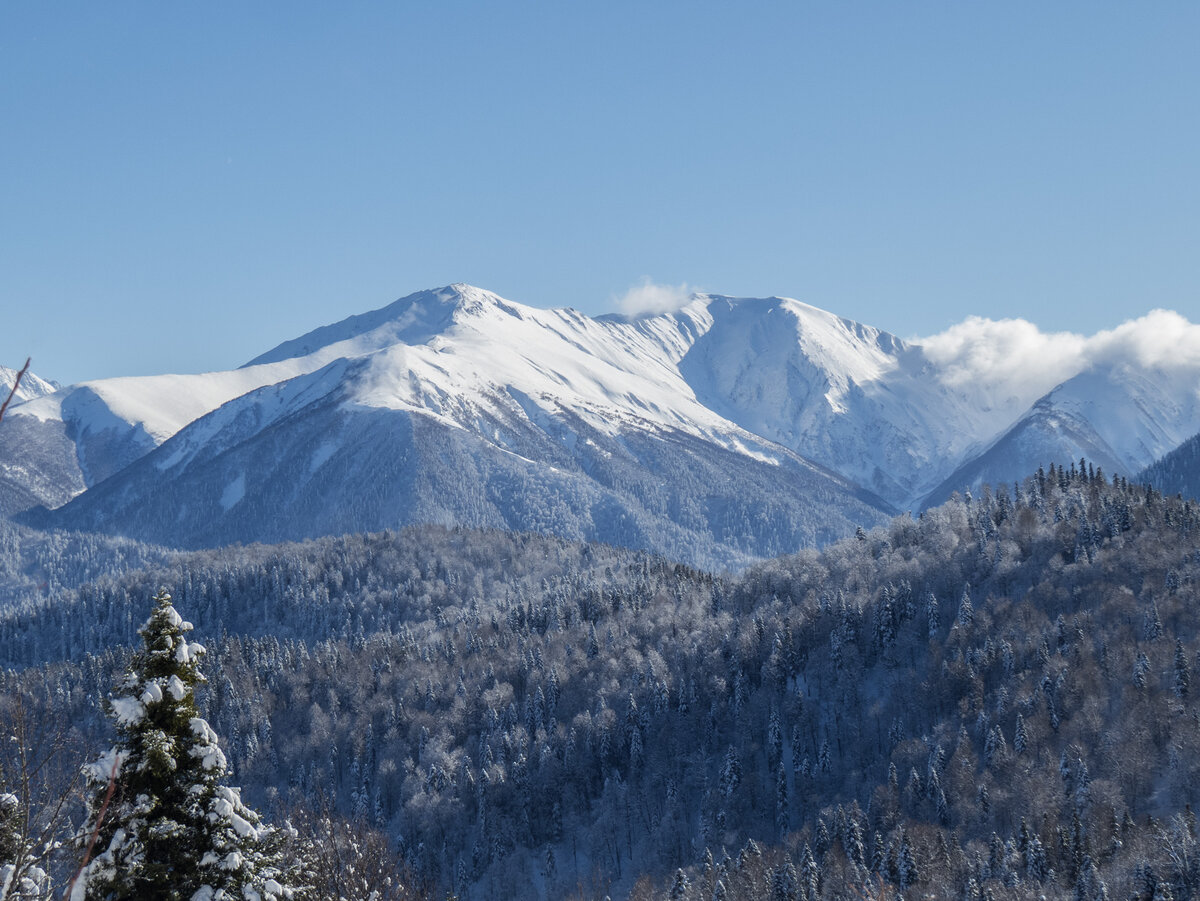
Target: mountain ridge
(877, 421)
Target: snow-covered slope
(1120, 417)
(504, 416)
(852, 397)
(451, 352)
(1141, 413)
(31, 385)
(1044, 435)
(62, 442)
(33, 469)
(456, 405)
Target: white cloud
(1009, 352)
(648, 297)
(1017, 355)
(1162, 339)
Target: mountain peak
(462, 293)
(31, 385)
(414, 319)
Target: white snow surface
(106, 766)
(606, 372)
(128, 711)
(31, 386)
(176, 687)
(746, 373)
(1141, 414)
(152, 693)
(206, 747)
(164, 404)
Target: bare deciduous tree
(40, 779)
(16, 385)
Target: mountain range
(726, 430)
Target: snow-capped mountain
(854, 398)
(56, 445)
(1121, 418)
(31, 385)
(26, 477)
(730, 428)
(457, 406)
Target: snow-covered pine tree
(21, 875)
(679, 888)
(1183, 676)
(170, 827)
(906, 864)
(966, 612)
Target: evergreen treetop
(165, 824)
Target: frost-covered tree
(37, 789)
(21, 876)
(731, 772)
(163, 822)
(966, 612)
(1183, 677)
(679, 888)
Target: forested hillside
(45, 567)
(1178, 472)
(992, 700)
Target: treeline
(993, 700)
(1177, 472)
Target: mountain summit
(410, 320)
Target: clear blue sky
(183, 185)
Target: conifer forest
(992, 700)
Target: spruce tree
(679, 888)
(906, 864)
(22, 877)
(1183, 676)
(11, 844)
(966, 612)
(163, 822)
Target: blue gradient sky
(184, 185)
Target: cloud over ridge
(1016, 354)
(649, 297)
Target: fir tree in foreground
(163, 822)
(21, 876)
